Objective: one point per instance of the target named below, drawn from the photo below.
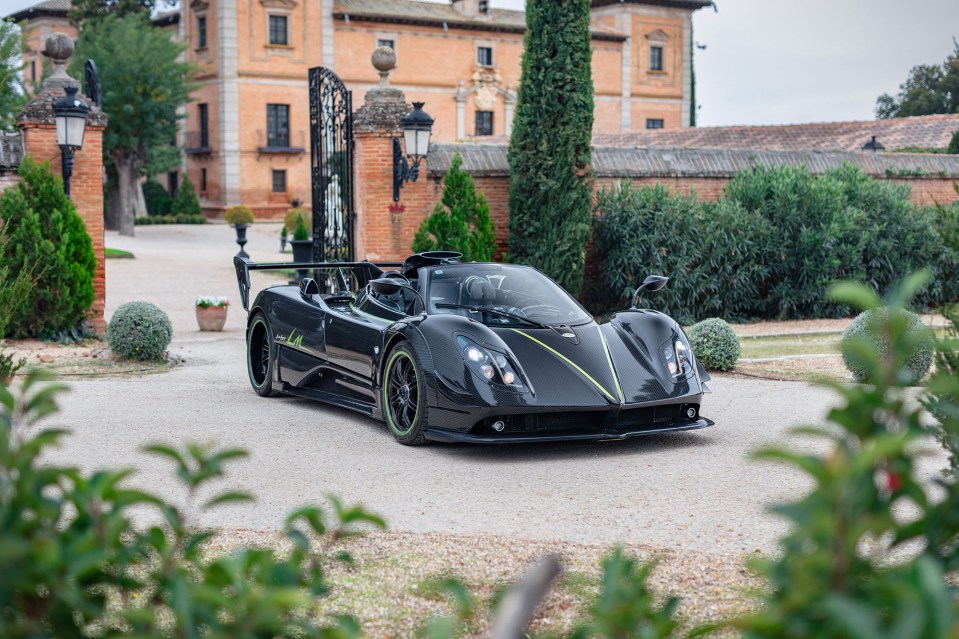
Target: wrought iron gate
(331, 164)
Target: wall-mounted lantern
(71, 115)
(873, 145)
(417, 129)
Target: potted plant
(211, 312)
(283, 237)
(240, 218)
(302, 246)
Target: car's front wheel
(260, 359)
(404, 396)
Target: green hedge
(770, 247)
(170, 219)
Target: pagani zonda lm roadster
(469, 352)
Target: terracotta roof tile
(491, 160)
(413, 12)
(927, 131)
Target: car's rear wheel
(404, 396)
(260, 358)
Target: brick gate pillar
(39, 130)
(384, 228)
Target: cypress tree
(550, 198)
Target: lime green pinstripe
(568, 361)
(609, 359)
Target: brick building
(246, 132)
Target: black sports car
(469, 352)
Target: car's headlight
(488, 364)
(676, 354)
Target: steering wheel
(397, 275)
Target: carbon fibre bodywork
(577, 380)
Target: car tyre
(261, 356)
(404, 396)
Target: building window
(278, 33)
(203, 180)
(203, 115)
(201, 32)
(33, 70)
(279, 180)
(655, 58)
(654, 123)
(173, 182)
(484, 56)
(278, 125)
(386, 43)
(484, 123)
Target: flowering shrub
(206, 301)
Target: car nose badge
(566, 332)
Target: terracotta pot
(211, 318)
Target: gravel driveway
(695, 490)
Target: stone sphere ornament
(58, 47)
(384, 61)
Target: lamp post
(417, 129)
(71, 114)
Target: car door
(351, 337)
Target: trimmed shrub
(238, 214)
(158, 201)
(300, 231)
(864, 334)
(289, 220)
(550, 150)
(49, 241)
(461, 221)
(715, 344)
(186, 201)
(953, 147)
(170, 219)
(139, 330)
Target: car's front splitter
(441, 435)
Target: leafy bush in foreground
(48, 240)
(715, 344)
(868, 327)
(74, 565)
(849, 568)
(140, 331)
(943, 402)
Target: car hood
(613, 363)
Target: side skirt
(329, 398)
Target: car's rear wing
(364, 270)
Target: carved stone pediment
(199, 6)
(657, 36)
(279, 4)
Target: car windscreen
(515, 290)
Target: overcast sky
(778, 61)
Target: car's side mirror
(309, 287)
(651, 283)
(386, 286)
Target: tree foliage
(88, 10)
(48, 240)
(550, 198)
(144, 84)
(12, 93)
(461, 220)
(928, 89)
(74, 561)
